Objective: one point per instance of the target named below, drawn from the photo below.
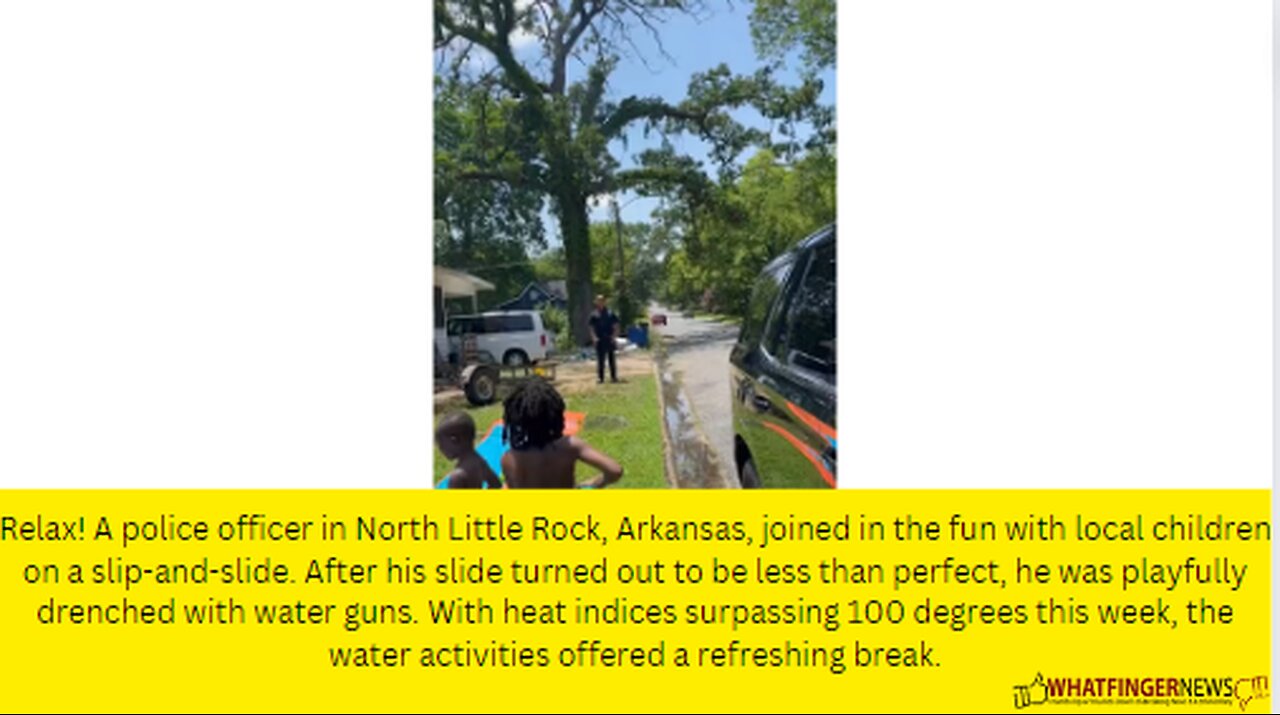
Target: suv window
(762, 298)
(508, 323)
(778, 329)
(809, 336)
(463, 326)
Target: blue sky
(694, 44)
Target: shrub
(557, 321)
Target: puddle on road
(695, 463)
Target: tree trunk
(575, 230)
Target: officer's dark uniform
(603, 322)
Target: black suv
(783, 371)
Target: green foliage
(727, 239)
(482, 229)
(557, 321)
(781, 26)
(549, 265)
(642, 249)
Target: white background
(215, 243)
(1055, 235)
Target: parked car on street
(783, 371)
(514, 337)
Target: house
(536, 296)
(448, 284)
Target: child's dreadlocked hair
(533, 415)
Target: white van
(516, 337)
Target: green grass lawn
(622, 421)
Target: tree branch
(594, 91)
(634, 108)
(498, 45)
(511, 179)
(503, 19)
(648, 178)
(567, 36)
(547, 38)
(586, 14)
(649, 20)
(566, 19)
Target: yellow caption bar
(1063, 601)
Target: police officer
(605, 327)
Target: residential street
(698, 350)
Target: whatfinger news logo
(1078, 690)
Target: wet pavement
(697, 402)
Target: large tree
(559, 131)
(781, 26)
(485, 229)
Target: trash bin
(638, 335)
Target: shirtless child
(456, 435)
(541, 457)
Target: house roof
(456, 284)
(543, 292)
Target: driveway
(698, 351)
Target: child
(541, 457)
(456, 435)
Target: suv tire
(482, 388)
(747, 476)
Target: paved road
(699, 353)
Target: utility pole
(622, 270)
